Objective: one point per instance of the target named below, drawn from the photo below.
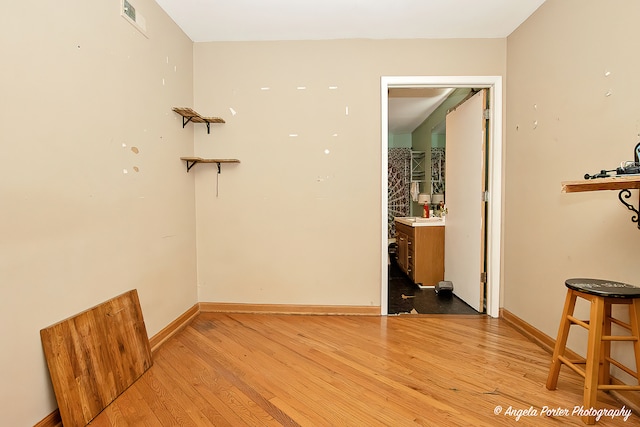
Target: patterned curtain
(437, 170)
(399, 186)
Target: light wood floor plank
(314, 370)
(240, 356)
(222, 394)
(188, 385)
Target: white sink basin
(430, 219)
(416, 221)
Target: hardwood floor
(291, 370)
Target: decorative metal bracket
(190, 164)
(197, 119)
(626, 194)
(186, 120)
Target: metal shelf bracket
(185, 120)
(190, 164)
(627, 194)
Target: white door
(464, 186)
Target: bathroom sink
(415, 221)
(430, 219)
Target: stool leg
(634, 318)
(604, 376)
(596, 320)
(561, 341)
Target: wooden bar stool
(602, 294)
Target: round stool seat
(603, 288)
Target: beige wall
(292, 224)
(557, 65)
(78, 82)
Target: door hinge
(485, 196)
(483, 277)
(487, 113)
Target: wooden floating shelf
(189, 115)
(613, 183)
(623, 184)
(191, 161)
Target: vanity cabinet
(420, 253)
(402, 252)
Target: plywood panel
(95, 355)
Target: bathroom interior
(417, 202)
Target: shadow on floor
(405, 296)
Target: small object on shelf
(189, 115)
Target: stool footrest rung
(619, 322)
(619, 338)
(574, 366)
(625, 368)
(583, 323)
(619, 387)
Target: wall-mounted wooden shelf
(613, 183)
(622, 183)
(191, 161)
(188, 115)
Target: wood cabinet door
(403, 251)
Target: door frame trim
(494, 185)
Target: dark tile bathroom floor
(423, 301)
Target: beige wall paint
(78, 82)
(561, 125)
(292, 224)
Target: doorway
(494, 173)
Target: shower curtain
(399, 197)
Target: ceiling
(251, 20)
(409, 107)
(257, 20)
